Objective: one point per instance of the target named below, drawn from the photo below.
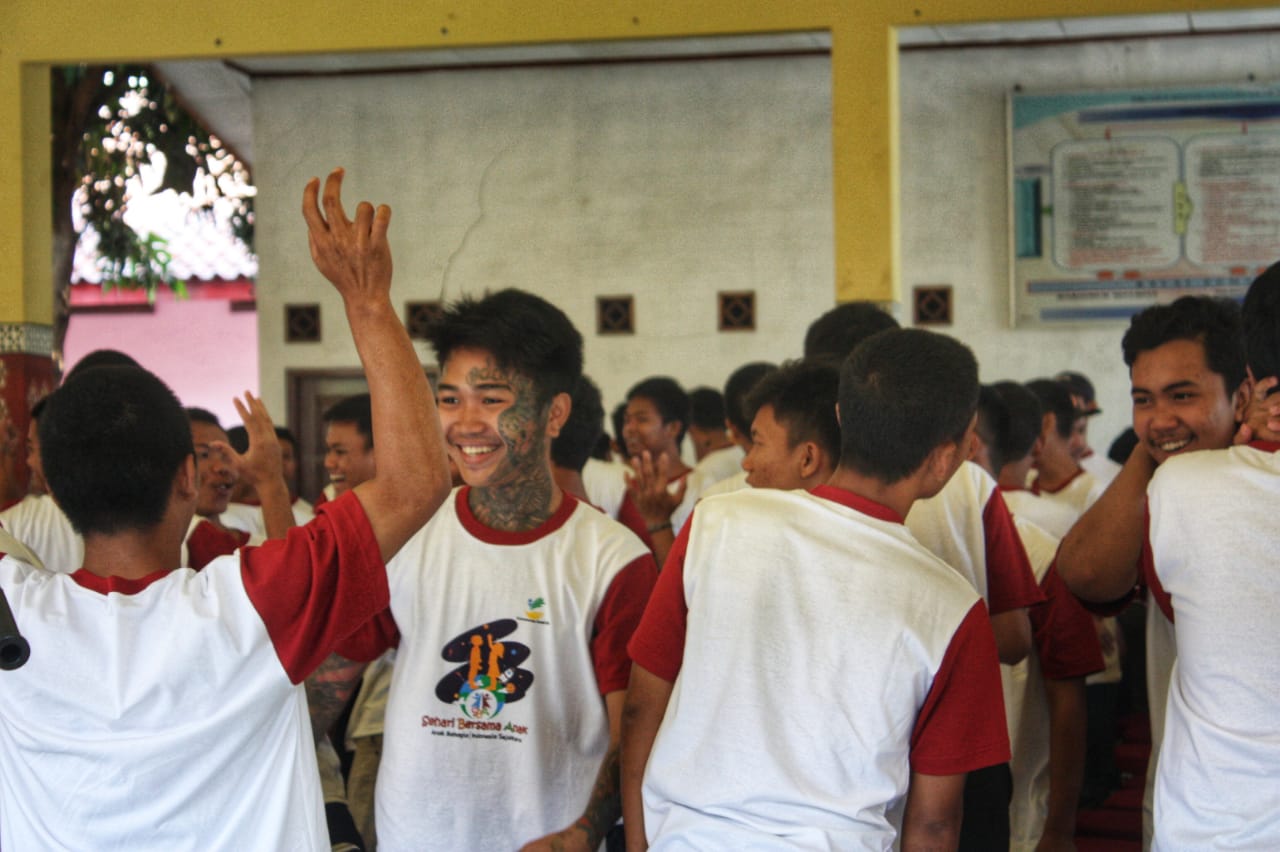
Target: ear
(674, 428)
(1243, 394)
(1048, 425)
(810, 459)
(558, 413)
(185, 482)
(944, 460)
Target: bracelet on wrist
(653, 528)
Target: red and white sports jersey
(968, 526)
(37, 522)
(495, 723)
(166, 713)
(1214, 542)
(1066, 646)
(819, 655)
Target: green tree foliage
(109, 122)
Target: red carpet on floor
(1116, 826)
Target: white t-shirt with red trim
(968, 526)
(1066, 646)
(495, 724)
(1052, 516)
(1214, 540)
(1080, 492)
(819, 655)
(37, 522)
(166, 713)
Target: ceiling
(219, 91)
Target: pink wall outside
(202, 349)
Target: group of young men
(817, 665)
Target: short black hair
(1215, 323)
(736, 388)
(1122, 446)
(1055, 398)
(706, 408)
(101, 358)
(283, 434)
(238, 438)
(202, 415)
(356, 410)
(904, 393)
(573, 446)
(111, 443)
(1078, 384)
(802, 395)
(837, 332)
(1009, 421)
(618, 418)
(1261, 314)
(524, 333)
(667, 396)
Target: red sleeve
(629, 516)
(961, 726)
(206, 543)
(317, 585)
(1065, 637)
(370, 639)
(1011, 584)
(658, 643)
(616, 621)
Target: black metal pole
(14, 650)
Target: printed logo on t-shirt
(534, 612)
(489, 676)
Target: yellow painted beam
(35, 34)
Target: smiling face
(348, 458)
(214, 473)
(495, 432)
(643, 429)
(1179, 404)
(772, 461)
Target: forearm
(1067, 725)
(329, 690)
(605, 805)
(934, 810)
(647, 699)
(406, 429)
(662, 541)
(1012, 630)
(277, 510)
(1098, 557)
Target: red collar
(119, 585)
(489, 535)
(853, 501)
(1037, 489)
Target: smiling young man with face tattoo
(511, 611)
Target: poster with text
(1123, 199)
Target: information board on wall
(1122, 199)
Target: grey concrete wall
(673, 181)
(666, 181)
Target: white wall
(674, 180)
(669, 181)
(954, 199)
